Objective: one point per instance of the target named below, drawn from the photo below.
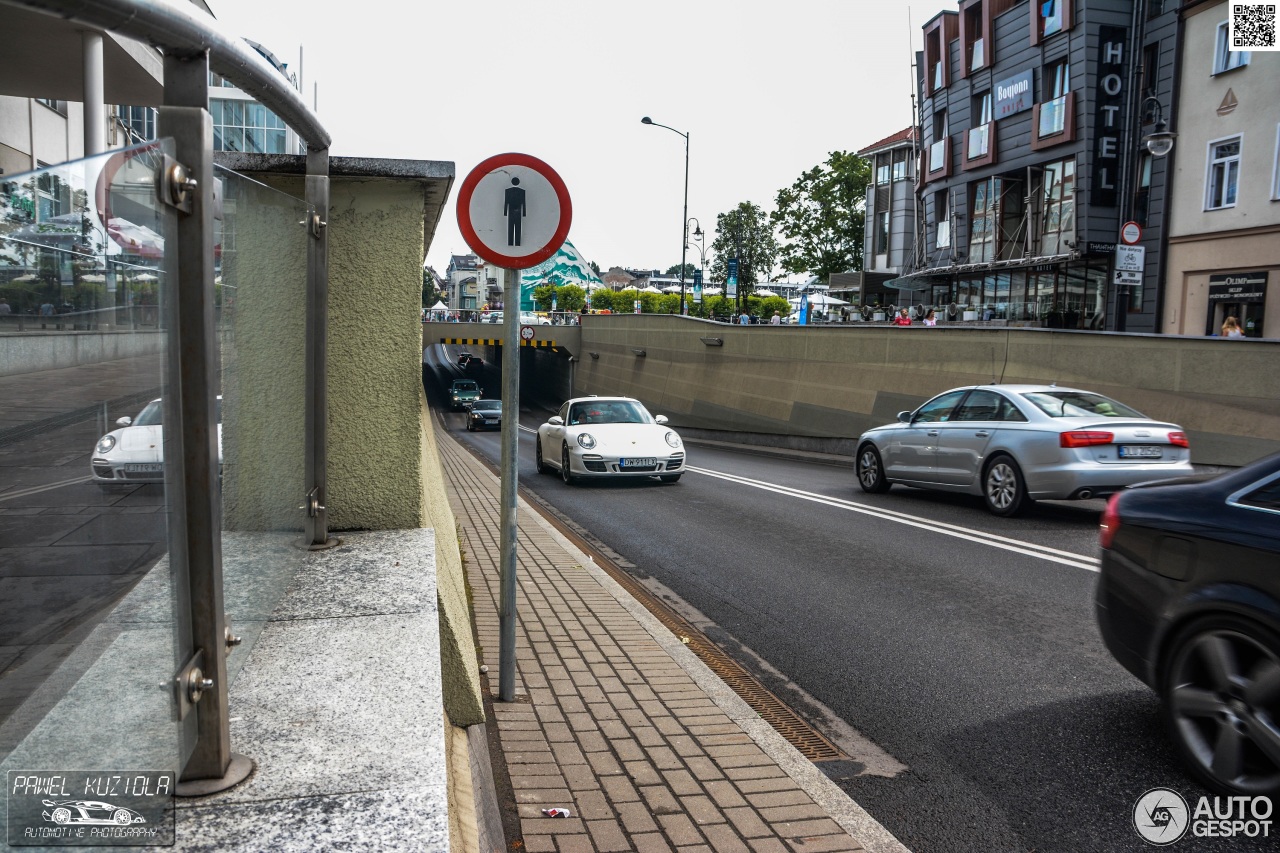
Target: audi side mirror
(904, 417)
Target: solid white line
(35, 490)
(1053, 555)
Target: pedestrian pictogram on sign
(514, 211)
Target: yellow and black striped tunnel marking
(494, 342)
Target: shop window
(983, 218)
(1058, 204)
(1224, 58)
(1224, 174)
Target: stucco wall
(831, 383)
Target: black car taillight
(1110, 522)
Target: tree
(431, 293)
(822, 217)
(674, 271)
(595, 268)
(745, 233)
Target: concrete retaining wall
(28, 352)
(828, 384)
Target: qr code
(1253, 26)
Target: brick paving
(614, 728)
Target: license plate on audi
(1140, 451)
(646, 462)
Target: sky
(764, 90)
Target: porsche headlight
(586, 441)
(673, 439)
(106, 443)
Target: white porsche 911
(135, 452)
(609, 437)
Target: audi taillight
(1179, 439)
(1084, 438)
(1110, 522)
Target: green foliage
(746, 233)
(822, 217)
(674, 270)
(769, 304)
(568, 297)
(430, 293)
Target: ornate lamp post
(685, 216)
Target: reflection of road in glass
(69, 551)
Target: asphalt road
(961, 645)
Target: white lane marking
(1043, 552)
(35, 490)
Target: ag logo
(1161, 816)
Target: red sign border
(516, 262)
(1134, 241)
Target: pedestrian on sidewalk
(931, 319)
(776, 319)
(1231, 328)
(903, 318)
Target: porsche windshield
(608, 412)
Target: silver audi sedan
(1014, 444)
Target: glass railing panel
(938, 155)
(1053, 116)
(87, 618)
(261, 303)
(978, 138)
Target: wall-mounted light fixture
(1160, 141)
(640, 352)
(594, 355)
(713, 342)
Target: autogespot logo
(1161, 816)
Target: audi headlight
(586, 441)
(106, 443)
(672, 439)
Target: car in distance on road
(608, 437)
(484, 414)
(134, 453)
(463, 358)
(464, 392)
(528, 318)
(491, 317)
(1013, 444)
(1188, 600)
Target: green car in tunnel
(464, 392)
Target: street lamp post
(698, 238)
(684, 218)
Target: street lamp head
(697, 233)
(646, 120)
(1160, 142)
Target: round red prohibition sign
(514, 211)
(526, 333)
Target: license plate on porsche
(144, 467)
(643, 462)
(1140, 451)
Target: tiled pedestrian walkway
(619, 723)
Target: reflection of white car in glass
(609, 437)
(135, 452)
(89, 813)
(528, 318)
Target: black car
(485, 414)
(1188, 600)
(464, 359)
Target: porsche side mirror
(556, 420)
(660, 419)
(126, 421)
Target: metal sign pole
(510, 480)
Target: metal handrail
(171, 25)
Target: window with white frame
(1224, 58)
(1223, 179)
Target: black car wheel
(871, 470)
(565, 473)
(542, 467)
(1003, 487)
(1220, 692)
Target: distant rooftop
(904, 135)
